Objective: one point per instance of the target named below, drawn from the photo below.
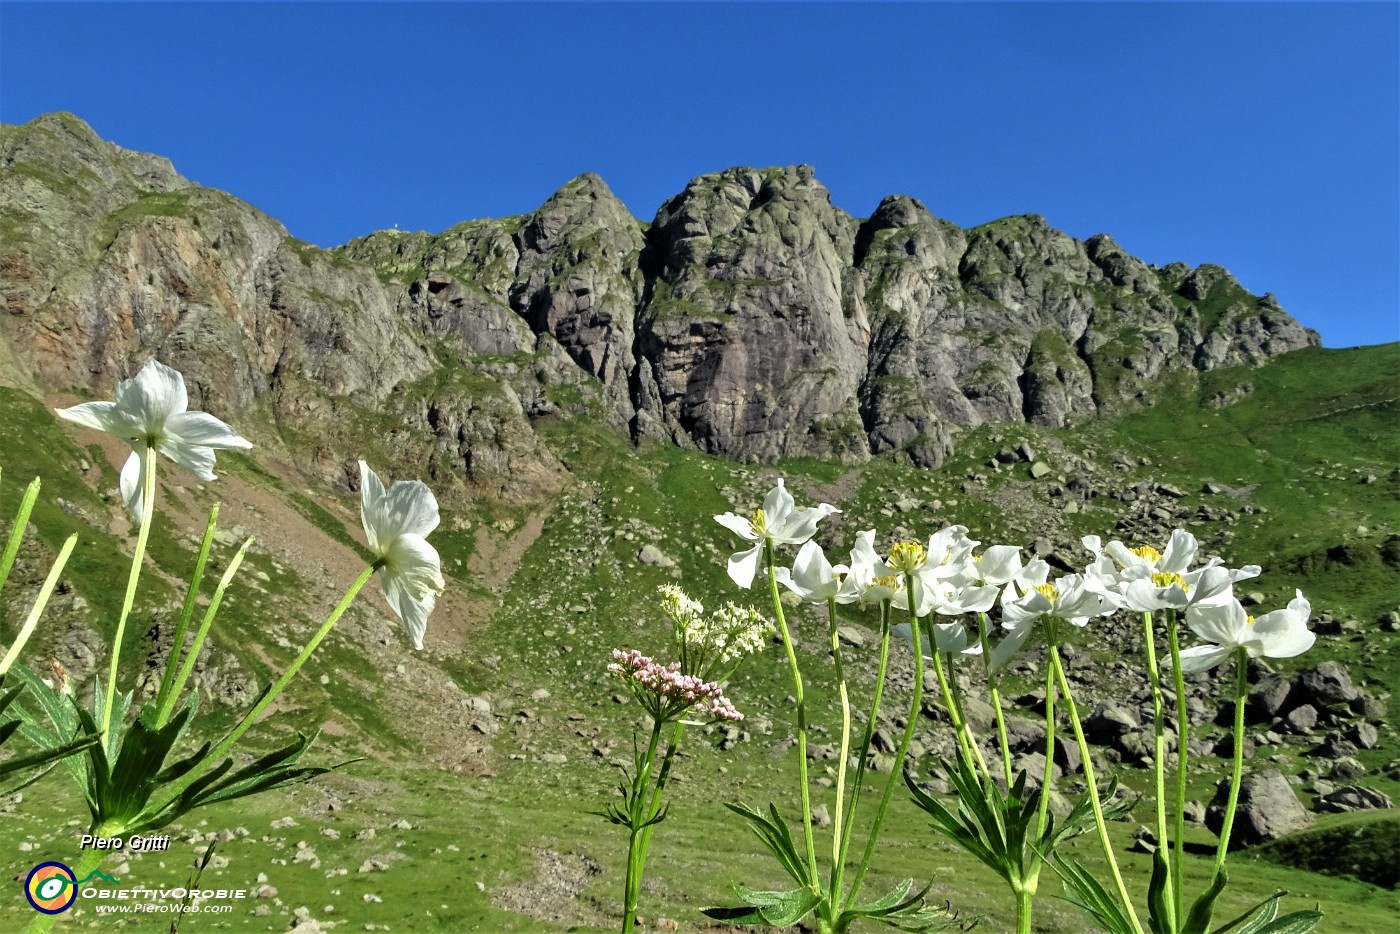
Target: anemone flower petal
(1222, 623)
(412, 609)
(201, 428)
(1201, 657)
(197, 459)
(103, 416)
(743, 565)
(133, 483)
(1181, 551)
(738, 525)
(152, 396)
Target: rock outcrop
(751, 318)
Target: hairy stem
(869, 734)
(638, 838)
(1183, 736)
(994, 692)
(897, 769)
(148, 456)
(1159, 765)
(837, 843)
(1094, 791)
(1241, 690)
(806, 792)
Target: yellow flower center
(907, 557)
(1249, 620)
(1147, 553)
(890, 581)
(759, 523)
(1048, 591)
(1166, 579)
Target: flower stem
(896, 770)
(994, 693)
(168, 705)
(91, 859)
(1159, 765)
(40, 602)
(837, 843)
(813, 879)
(271, 694)
(1042, 813)
(1024, 900)
(638, 839)
(953, 694)
(1093, 790)
(869, 735)
(1183, 736)
(1241, 690)
(177, 642)
(148, 455)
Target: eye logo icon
(51, 888)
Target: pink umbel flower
(666, 692)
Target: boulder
(1268, 808)
(1352, 798)
(1326, 684)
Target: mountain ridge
(751, 318)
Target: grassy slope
(584, 557)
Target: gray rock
(651, 555)
(1301, 719)
(1365, 736)
(1040, 470)
(1268, 808)
(1352, 798)
(1326, 684)
(1109, 722)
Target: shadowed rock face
(751, 318)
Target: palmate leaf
(58, 728)
(907, 912)
(989, 825)
(1263, 919)
(778, 909)
(775, 836)
(1089, 895)
(1267, 912)
(273, 770)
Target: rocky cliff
(751, 318)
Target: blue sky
(1263, 137)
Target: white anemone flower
(1280, 634)
(813, 578)
(397, 522)
(779, 521)
(151, 412)
(948, 638)
(870, 580)
(1070, 598)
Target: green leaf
(1268, 913)
(1085, 892)
(1198, 921)
(779, 909)
(1159, 915)
(775, 836)
(1299, 922)
(896, 898)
